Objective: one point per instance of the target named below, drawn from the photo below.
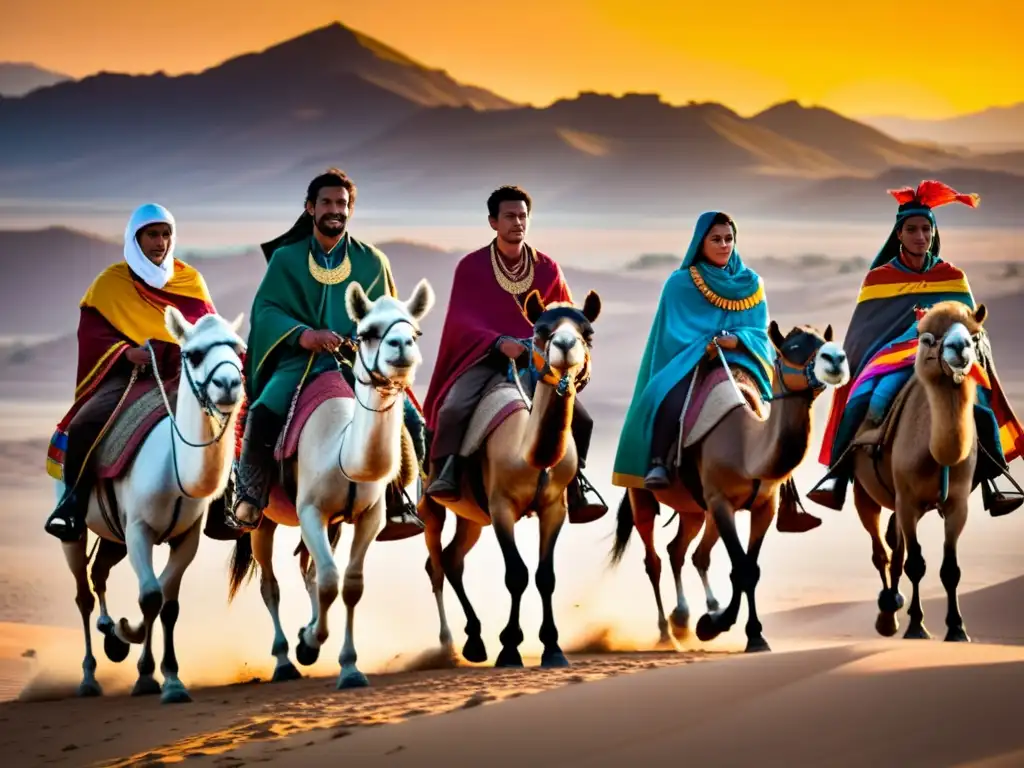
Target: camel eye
(928, 339)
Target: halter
(814, 386)
(201, 395)
(377, 381)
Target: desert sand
(831, 693)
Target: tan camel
(742, 463)
(527, 463)
(928, 452)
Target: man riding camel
(299, 327)
(905, 278)
(120, 314)
(480, 336)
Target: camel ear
(176, 324)
(776, 335)
(980, 314)
(237, 322)
(592, 306)
(421, 301)
(828, 332)
(356, 302)
(534, 306)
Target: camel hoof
(706, 629)
(114, 647)
(146, 686)
(285, 672)
(554, 659)
(664, 642)
(957, 635)
(509, 657)
(306, 654)
(352, 678)
(175, 693)
(756, 645)
(679, 621)
(917, 632)
(886, 624)
(474, 650)
(89, 689)
(713, 606)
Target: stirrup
(234, 523)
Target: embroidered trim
(338, 274)
(515, 287)
(732, 305)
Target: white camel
(344, 441)
(182, 464)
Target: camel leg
(889, 599)
(183, 552)
(711, 625)
(761, 517)
(367, 526)
(314, 536)
(645, 510)
(702, 561)
(955, 514)
(689, 527)
(453, 561)
(433, 515)
(308, 573)
(140, 541)
(75, 554)
(907, 517)
(108, 554)
(517, 577)
(263, 552)
(551, 521)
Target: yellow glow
(936, 59)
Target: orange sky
(957, 56)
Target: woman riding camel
(712, 296)
(122, 311)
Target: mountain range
(257, 127)
(20, 78)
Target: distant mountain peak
(18, 78)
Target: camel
(349, 450)
(743, 462)
(926, 457)
(181, 465)
(526, 464)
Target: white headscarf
(154, 276)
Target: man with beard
(485, 315)
(296, 334)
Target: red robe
(479, 312)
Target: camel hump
(142, 410)
(498, 403)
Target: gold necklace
(732, 305)
(515, 287)
(338, 274)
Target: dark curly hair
(332, 177)
(507, 194)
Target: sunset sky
(926, 60)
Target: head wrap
(929, 194)
(733, 282)
(156, 276)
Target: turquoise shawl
(685, 323)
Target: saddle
(876, 436)
(327, 386)
(142, 410)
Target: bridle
(808, 385)
(979, 343)
(202, 396)
(539, 366)
(385, 387)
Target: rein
(783, 367)
(202, 397)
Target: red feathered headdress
(932, 194)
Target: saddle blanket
(142, 411)
(500, 402)
(713, 398)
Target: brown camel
(928, 449)
(742, 463)
(526, 463)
